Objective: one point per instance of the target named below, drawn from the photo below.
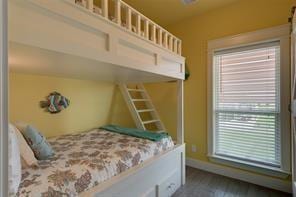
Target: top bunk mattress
(85, 160)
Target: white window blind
(247, 104)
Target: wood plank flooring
(204, 184)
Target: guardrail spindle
(159, 36)
(180, 47)
(138, 24)
(171, 42)
(153, 32)
(104, 8)
(90, 5)
(146, 29)
(118, 11)
(175, 47)
(128, 18)
(165, 44)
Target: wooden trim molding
(3, 100)
(265, 181)
(245, 39)
(249, 166)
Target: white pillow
(21, 126)
(14, 162)
(26, 152)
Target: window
(248, 112)
(247, 104)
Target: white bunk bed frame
(113, 42)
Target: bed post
(3, 100)
(180, 124)
(180, 118)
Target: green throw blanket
(135, 132)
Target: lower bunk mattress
(85, 160)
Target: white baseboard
(257, 179)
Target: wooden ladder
(139, 104)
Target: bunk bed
(104, 40)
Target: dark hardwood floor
(204, 184)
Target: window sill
(258, 168)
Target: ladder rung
(140, 100)
(150, 121)
(135, 90)
(144, 110)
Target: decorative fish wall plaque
(55, 103)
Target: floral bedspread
(84, 160)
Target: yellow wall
(92, 104)
(240, 17)
(164, 97)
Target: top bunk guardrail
(122, 14)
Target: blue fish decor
(55, 103)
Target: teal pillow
(38, 143)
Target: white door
(3, 99)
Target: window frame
(280, 34)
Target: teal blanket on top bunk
(135, 132)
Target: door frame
(293, 102)
(3, 98)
